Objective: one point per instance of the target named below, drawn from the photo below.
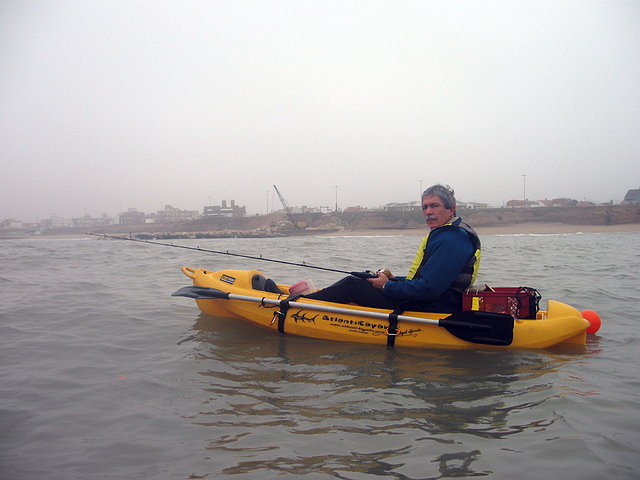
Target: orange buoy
(594, 320)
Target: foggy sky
(108, 105)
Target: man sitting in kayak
(445, 265)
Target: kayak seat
(260, 282)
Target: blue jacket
(447, 252)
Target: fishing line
(365, 274)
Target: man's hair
(445, 193)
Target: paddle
(484, 328)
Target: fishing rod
(365, 274)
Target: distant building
(132, 217)
(15, 226)
(171, 214)
(87, 222)
(523, 204)
(307, 209)
(225, 211)
(302, 209)
(355, 209)
(11, 224)
(57, 222)
(471, 205)
(403, 206)
(559, 202)
(212, 211)
(632, 197)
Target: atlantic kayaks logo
(366, 326)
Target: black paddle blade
(485, 328)
(195, 291)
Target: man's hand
(387, 272)
(379, 281)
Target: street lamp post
(524, 190)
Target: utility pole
(524, 190)
(336, 198)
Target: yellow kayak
(240, 294)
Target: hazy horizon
(107, 106)
(274, 206)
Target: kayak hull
(561, 324)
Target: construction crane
(287, 209)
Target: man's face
(434, 212)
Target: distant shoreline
(516, 229)
(490, 221)
(530, 228)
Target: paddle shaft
(347, 311)
(198, 249)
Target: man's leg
(353, 290)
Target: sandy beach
(549, 228)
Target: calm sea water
(104, 375)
